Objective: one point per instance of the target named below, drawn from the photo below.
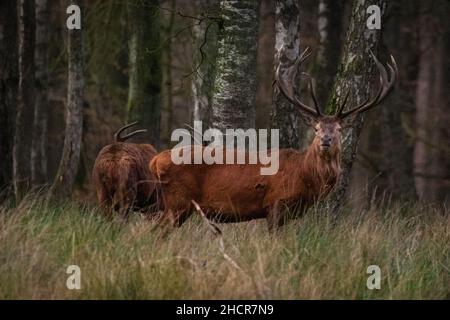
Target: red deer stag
(237, 192)
(121, 176)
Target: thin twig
(218, 233)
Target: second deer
(121, 177)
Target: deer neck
(322, 168)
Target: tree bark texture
(355, 73)
(166, 61)
(285, 116)
(432, 159)
(68, 166)
(330, 27)
(25, 103)
(204, 62)
(235, 83)
(39, 152)
(395, 145)
(144, 98)
(9, 79)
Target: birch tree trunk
(235, 83)
(144, 97)
(355, 73)
(330, 25)
(204, 62)
(285, 116)
(67, 170)
(25, 104)
(38, 152)
(9, 79)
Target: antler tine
(305, 54)
(313, 95)
(385, 88)
(394, 71)
(285, 85)
(367, 104)
(342, 106)
(117, 135)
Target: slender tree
(25, 104)
(355, 75)
(285, 116)
(67, 170)
(396, 146)
(431, 158)
(235, 83)
(330, 25)
(9, 79)
(38, 152)
(144, 98)
(204, 61)
(166, 61)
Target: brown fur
(238, 192)
(122, 178)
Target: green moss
(332, 105)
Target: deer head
(328, 127)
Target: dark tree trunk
(144, 98)
(395, 146)
(264, 65)
(431, 157)
(68, 166)
(235, 83)
(9, 79)
(330, 25)
(25, 104)
(204, 62)
(285, 116)
(38, 152)
(355, 73)
(166, 61)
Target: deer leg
(106, 211)
(179, 217)
(126, 206)
(124, 213)
(170, 220)
(173, 218)
(163, 224)
(275, 218)
(105, 204)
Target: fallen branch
(218, 232)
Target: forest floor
(309, 259)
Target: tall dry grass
(310, 259)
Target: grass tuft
(309, 259)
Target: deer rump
(122, 179)
(237, 192)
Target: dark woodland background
(156, 61)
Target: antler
(118, 135)
(385, 88)
(286, 84)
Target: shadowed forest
(64, 93)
